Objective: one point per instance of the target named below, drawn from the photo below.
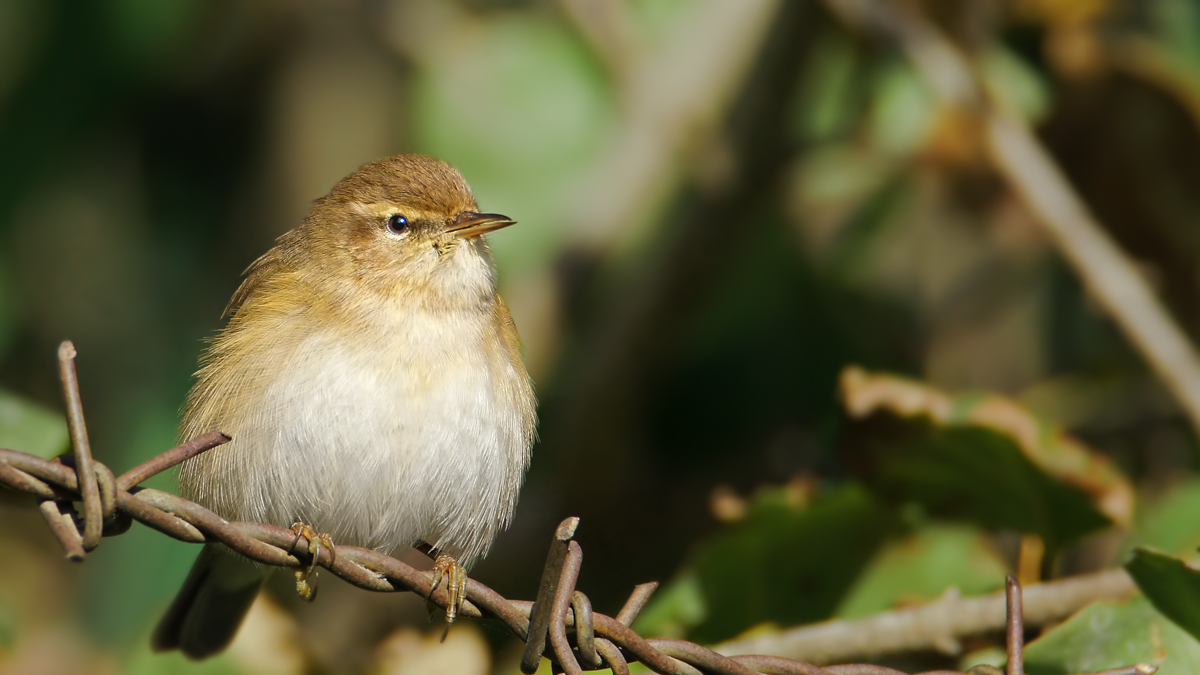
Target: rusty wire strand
(539, 620)
(88, 489)
(585, 633)
(871, 669)
(561, 603)
(110, 504)
(62, 524)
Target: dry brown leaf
(1047, 446)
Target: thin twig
(1107, 273)
(608, 29)
(940, 622)
(1014, 642)
(675, 100)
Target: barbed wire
(111, 503)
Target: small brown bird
(369, 375)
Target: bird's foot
(304, 588)
(445, 567)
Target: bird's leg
(447, 568)
(304, 589)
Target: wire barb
(558, 610)
(93, 518)
(539, 620)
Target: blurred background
(721, 206)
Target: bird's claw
(306, 590)
(446, 568)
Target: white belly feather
(384, 445)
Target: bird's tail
(207, 612)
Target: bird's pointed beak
(468, 225)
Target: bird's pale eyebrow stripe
(374, 209)
(385, 209)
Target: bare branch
(674, 100)
(607, 27)
(941, 622)
(1107, 273)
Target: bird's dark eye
(397, 224)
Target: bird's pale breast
(420, 432)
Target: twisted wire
(108, 504)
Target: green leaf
(978, 457)
(28, 427)
(987, 656)
(675, 609)
(781, 564)
(977, 475)
(1169, 524)
(902, 110)
(518, 106)
(829, 89)
(1111, 635)
(1019, 86)
(1171, 585)
(920, 567)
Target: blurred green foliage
(754, 572)
(1170, 585)
(977, 475)
(923, 565)
(30, 427)
(702, 250)
(1169, 523)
